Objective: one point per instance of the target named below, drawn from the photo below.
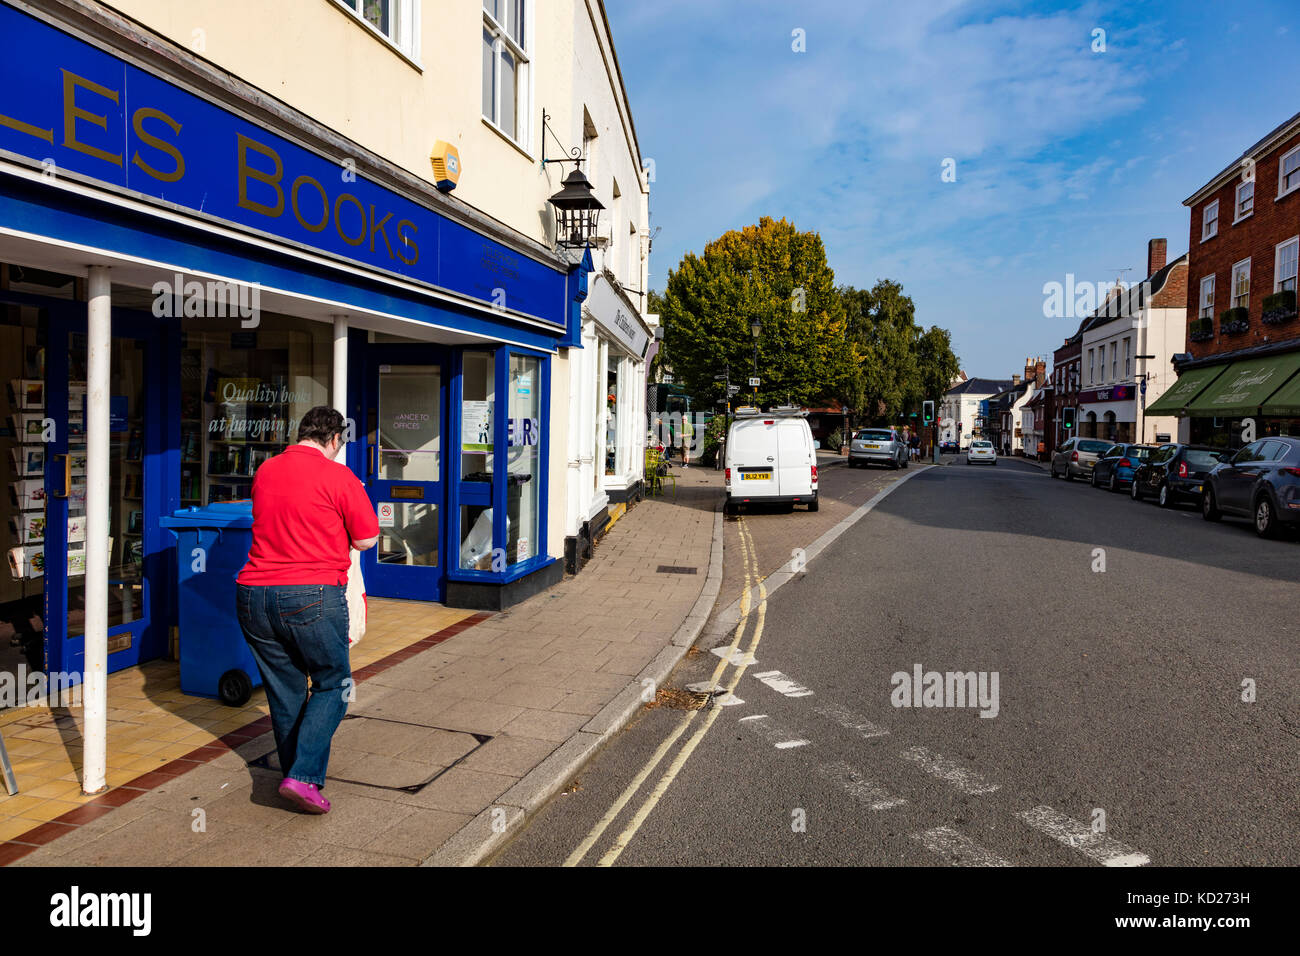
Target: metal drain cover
(390, 754)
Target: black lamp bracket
(575, 154)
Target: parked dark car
(1174, 473)
(1261, 482)
(1115, 468)
(948, 448)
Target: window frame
(405, 15)
(1207, 222)
(1277, 263)
(1237, 214)
(503, 41)
(1233, 295)
(1128, 356)
(1201, 305)
(1281, 173)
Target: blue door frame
(160, 451)
(419, 582)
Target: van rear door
(794, 458)
(753, 459)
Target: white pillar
(95, 677)
(339, 388)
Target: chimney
(1015, 379)
(1157, 251)
(1040, 372)
(1029, 369)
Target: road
(1120, 635)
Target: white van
(771, 457)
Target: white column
(95, 676)
(339, 388)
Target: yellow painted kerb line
(675, 767)
(583, 848)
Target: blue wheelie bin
(212, 545)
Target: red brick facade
(1254, 237)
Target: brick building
(1243, 338)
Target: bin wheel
(234, 688)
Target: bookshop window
(22, 590)
(478, 407)
(243, 392)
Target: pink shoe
(306, 796)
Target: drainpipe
(99, 341)
(339, 394)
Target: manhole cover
(390, 754)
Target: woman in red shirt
(308, 510)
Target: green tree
(775, 275)
(881, 323)
(936, 365)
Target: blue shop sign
(69, 106)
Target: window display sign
(476, 426)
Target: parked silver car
(879, 445)
(1076, 457)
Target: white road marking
(1079, 836)
(773, 732)
(734, 655)
(704, 687)
(727, 700)
(859, 787)
(851, 721)
(957, 849)
(946, 769)
(783, 685)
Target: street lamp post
(755, 327)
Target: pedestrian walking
(308, 510)
(688, 436)
(915, 445)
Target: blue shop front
(248, 274)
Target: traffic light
(927, 412)
(1067, 419)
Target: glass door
(134, 496)
(404, 461)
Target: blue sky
(1067, 160)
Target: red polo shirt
(307, 510)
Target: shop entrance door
(135, 493)
(405, 410)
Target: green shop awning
(1285, 402)
(1244, 386)
(1181, 393)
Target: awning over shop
(1181, 393)
(1285, 401)
(1244, 386)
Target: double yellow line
(753, 578)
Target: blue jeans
(296, 632)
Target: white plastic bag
(356, 601)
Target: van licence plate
(755, 475)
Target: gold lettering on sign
(28, 128)
(338, 219)
(137, 123)
(297, 211)
(408, 242)
(247, 172)
(72, 112)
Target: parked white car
(771, 457)
(981, 450)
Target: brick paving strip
(25, 843)
(507, 707)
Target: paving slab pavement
(500, 710)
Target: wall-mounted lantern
(577, 210)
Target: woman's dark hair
(320, 425)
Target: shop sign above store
(609, 310)
(68, 106)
